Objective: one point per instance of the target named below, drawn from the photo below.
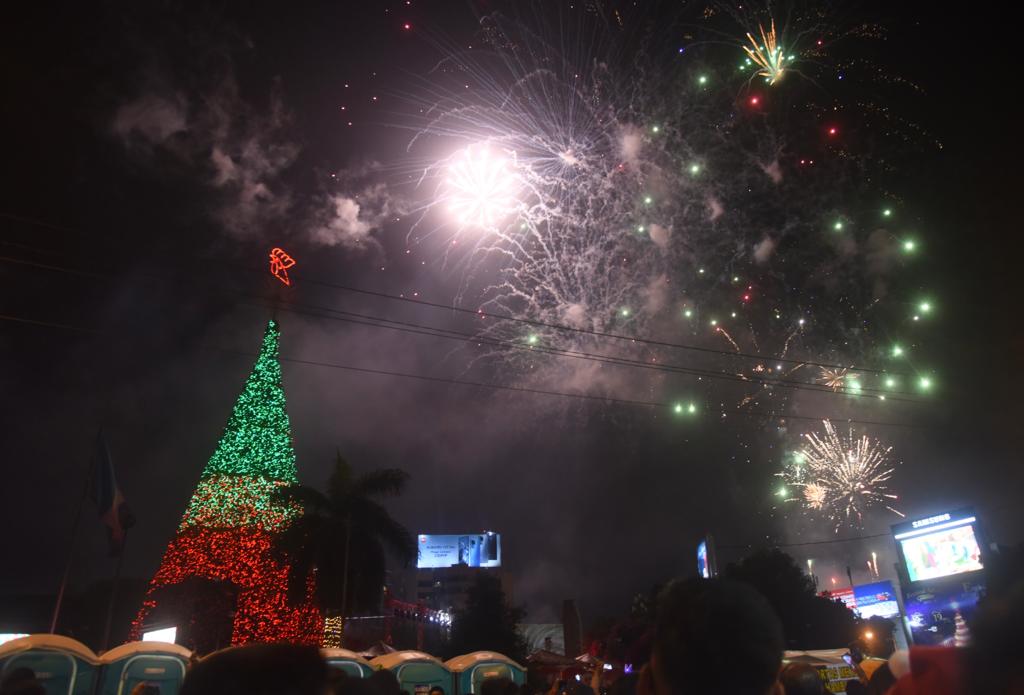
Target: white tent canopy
(819, 656)
(131, 648)
(461, 663)
(396, 659)
(337, 653)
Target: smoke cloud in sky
(237, 150)
(350, 219)
(764, 249)
(151, 119)
(715, 209)
(660, 235)
(773, 170)
(244, 154)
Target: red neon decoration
(280, 262)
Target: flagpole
(113, 593)
(71, 555)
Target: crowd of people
(711, 636)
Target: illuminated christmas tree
(218, 581)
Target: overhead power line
(587, 331)
(865, 392)
(481, 384)
(449, 334)
(494, 315)
(850, 539)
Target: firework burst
(841, 476)
(481, 188)
(767, 55)
(835, 379)
(627, 193)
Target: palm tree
(344, 529)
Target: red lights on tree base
(243, 558)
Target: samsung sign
(930, 520)
(471, 550)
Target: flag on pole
(113, 510)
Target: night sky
(155, 152)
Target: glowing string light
(280, 262)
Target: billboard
(845, 595)
(706, 566)
(703, 569)
(472, 550)
(939, 546)
(877, 599)
(167, 634)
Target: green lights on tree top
(258, 440)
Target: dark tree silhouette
(809, 621)
(343, 535)
(487, 621)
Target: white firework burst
(835, 378)
(570, 186)
(842, 476)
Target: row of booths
(67, 667)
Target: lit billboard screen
(845, 595)
(472, 550)
(706, 566)
(703, 570)
(939, 546)
(877, 599)
(167, 634)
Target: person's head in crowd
(338, 681)
(384, 682)
(437, 690)
(270, 669)
(21, 681)
(801, 679)
(624, 685)
(351, 685)
(715, 636)
(881, 680)
(855, 687)
(994, 656)
(497, 686)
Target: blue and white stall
(417, 672)
(348, 662)
(62, 665)
(154, 663)
(471, 670)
